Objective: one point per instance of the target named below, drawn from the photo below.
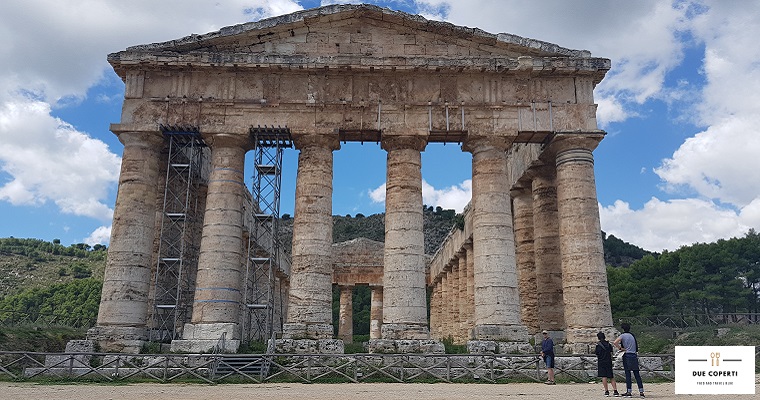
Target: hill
(618, 253)
(437, 223)
(37, 264)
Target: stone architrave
(346, 314)
(546, 247)
(310, 297)
(584, 275)
(218, 294)
(522, 203)
(404, 291)
(497, 300)
(122, 316)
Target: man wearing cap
(547, 352)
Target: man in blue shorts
(547, 352)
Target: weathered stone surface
(404, 290)
(75, 360)
(405, 346)
(309, 346)
(118, 339)
(362, 73)
(310, 296)
(496, 296)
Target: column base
(583, 340)
(309, 346)
(501, 333)
(118, 339)
(307, 331)
(404, 332)
(207, 338)
(408, 346)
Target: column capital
(330, 141)
(418, 143)
(467, 245)
(576, 140)
(476, 144)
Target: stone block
(382, 346)
(211, 331)
(118, 339)
(650, 363)
(515, 348)
(309, 346)
(482, 347)
(507, 333)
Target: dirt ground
(343, 391)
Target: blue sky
(681, 106)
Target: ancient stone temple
(529, 256)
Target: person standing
(547, 352)
(603, 353)
(627, 343)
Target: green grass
(45, 339)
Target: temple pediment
(358, 37)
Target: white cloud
(453, 197)
(52, 53)
(668, 225)
(640, 37)
(56, 49)
(377, 195)
(716, 165)
(101, 235)
(48, 160)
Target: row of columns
(545, 272)
(346, 314)
(452, 305)
(566, 246)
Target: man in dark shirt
(547, 352)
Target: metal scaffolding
(181, 219)
(263, 298)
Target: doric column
(454, 299)
(404, 308)
(470, 282)
(310, 297)
(435, 310)
(375, 312)
(522, 206)
(462, 296)
(497, 301)
(547, 253)
(584, 276)
(123, 312)
(445, 302)
(218, 296)
(346, 314)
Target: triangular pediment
(348, 36)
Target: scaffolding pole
(181, 219)
(263, 313)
